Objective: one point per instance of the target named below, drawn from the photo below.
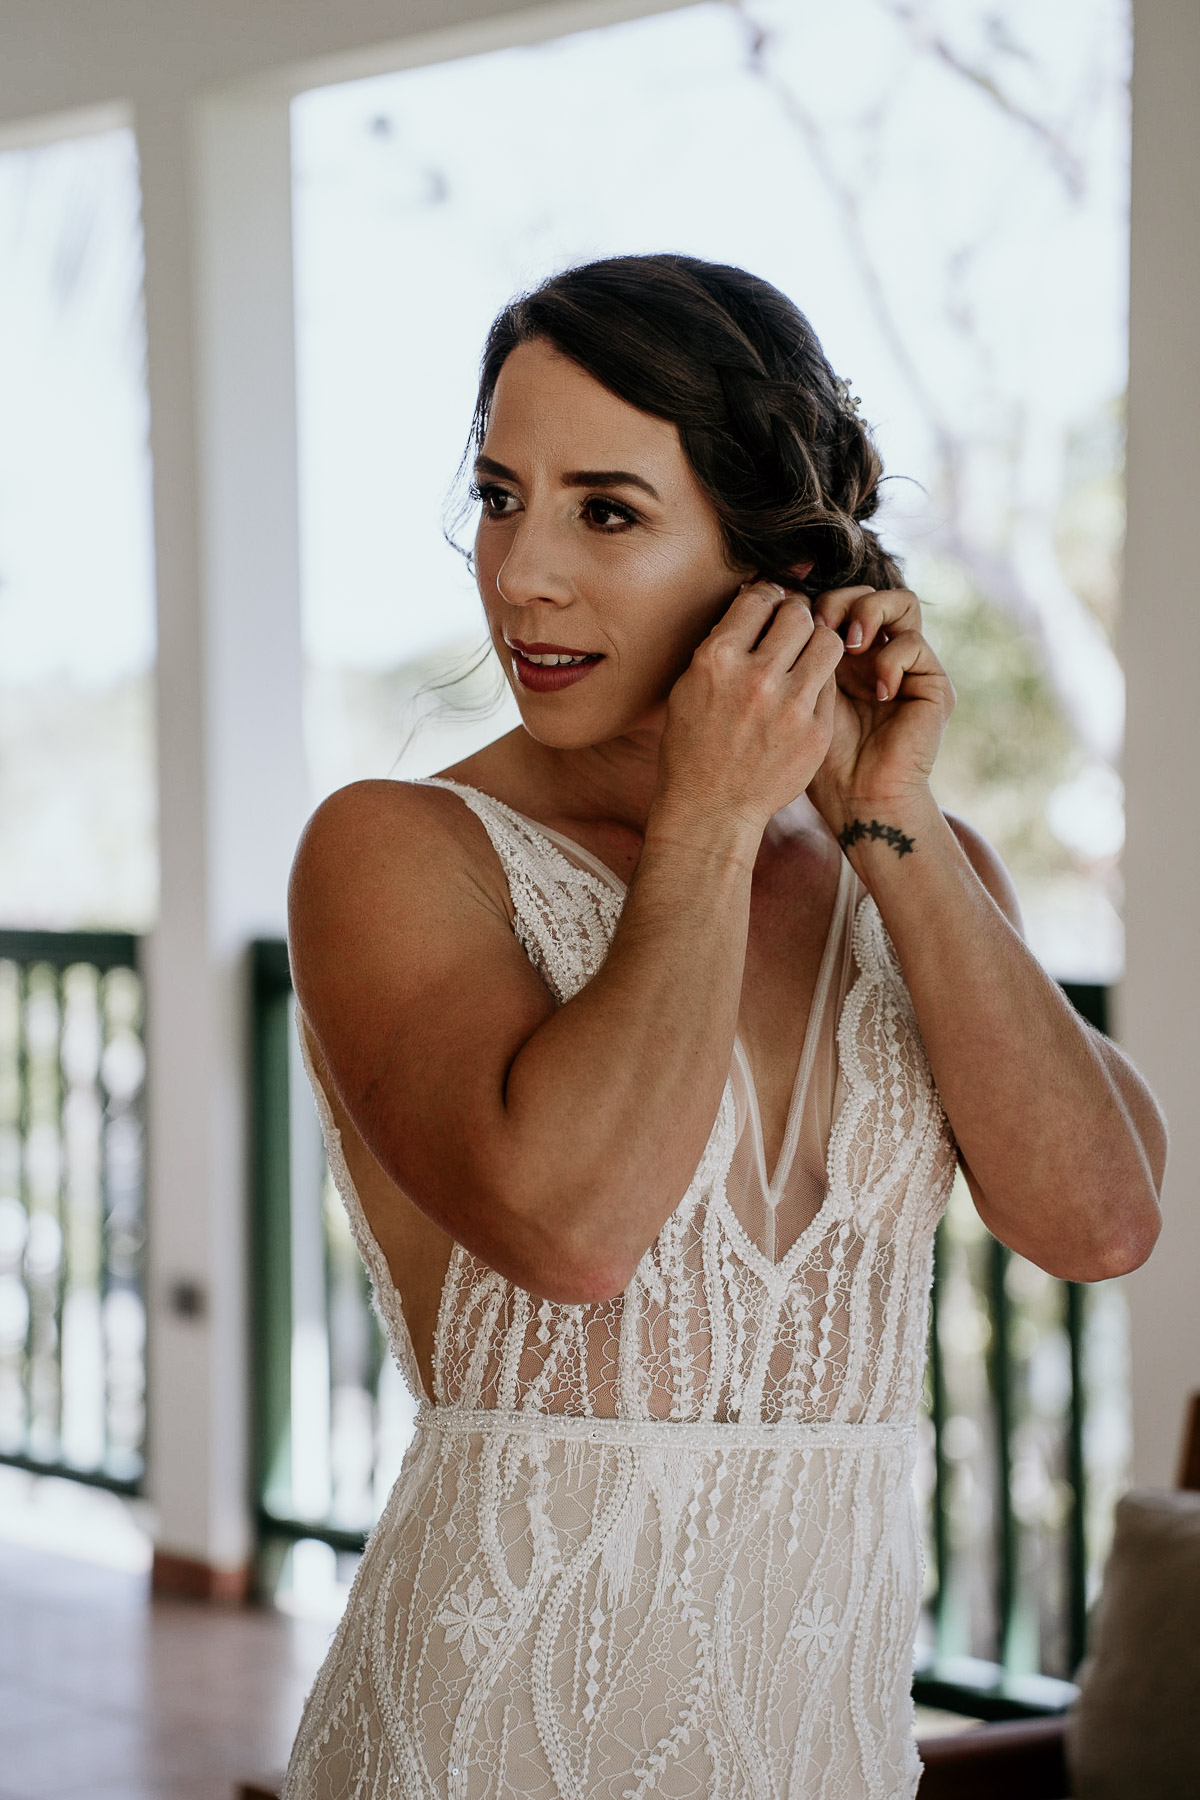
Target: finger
(748, 614)
(906, 655)
(880, 616)
(877, 613)
(787, 634)
(816, 664)
(825, 703)
(832, 606)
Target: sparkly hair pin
(848, 403)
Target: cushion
(1135, 1732)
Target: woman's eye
(605, 515)
(608, 515)
(497, 502)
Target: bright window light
(943, 189)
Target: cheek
(658, 617)
(687, 596)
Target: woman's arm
(1061, 1140)
(554, 1142)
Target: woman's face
(595, 540)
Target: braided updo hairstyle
(764, 422)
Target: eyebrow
(576, 478)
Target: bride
(646, 1042)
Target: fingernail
(854, 636)
(773, 587)
(881, 690)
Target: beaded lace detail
(665, 1545)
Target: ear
(799, 571)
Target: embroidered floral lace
(666, 1546)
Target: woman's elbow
(1139, 1214)
(1136, 1243)
(574, 1268)
(586, 1284)
(540, 1249)
(566, 1275)
(1126, 1246)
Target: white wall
(1160, 999)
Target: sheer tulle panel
(705, 1334)
(777, 1206)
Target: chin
(599, 708)
(553, 727)
(552, 720)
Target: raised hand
(749, 722)
(893, 702)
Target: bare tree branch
(1062, 156)
(1024, 580)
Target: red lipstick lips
(547, 678)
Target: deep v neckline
(592, 864)
(788, 1144)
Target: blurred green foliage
(1007, 745)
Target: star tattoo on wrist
(858, 829)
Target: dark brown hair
(768, 428)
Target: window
(942, 188)
(77, 798)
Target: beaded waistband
(666, 1434)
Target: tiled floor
(107, 1696)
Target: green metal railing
(72, 1207)
(332, 1415)
(1014, 1533)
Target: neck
(613, 782)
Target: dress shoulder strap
(564, 915)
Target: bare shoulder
(987, 864)
(396, 831)
(402, 820)
(416, 996)
(387, 857)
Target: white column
(233, 783)
(1160, 998)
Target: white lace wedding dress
(666, 1546)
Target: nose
(535, 566)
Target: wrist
(883, 833)
(705, 832)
